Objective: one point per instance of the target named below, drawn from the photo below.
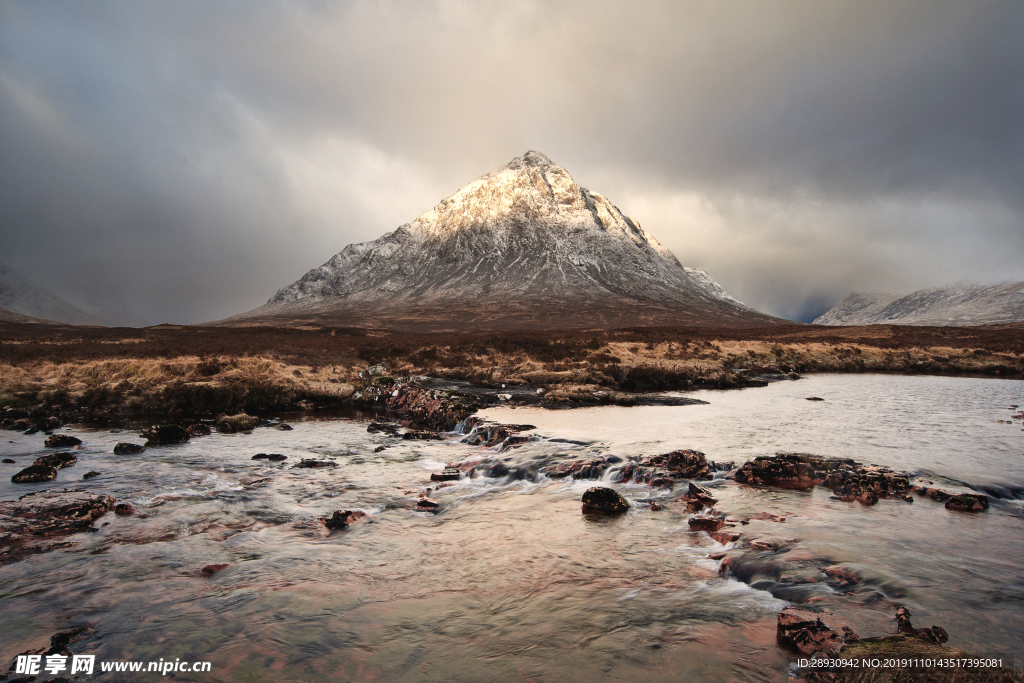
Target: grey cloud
(194, 157)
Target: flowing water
(509, 581)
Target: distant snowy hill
(958, 304)
(523, 247)
(21, 296)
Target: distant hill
(19, 295)
(522, 248)
(12, 317)
(959, 304)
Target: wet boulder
(61, 441)
(422, 435)
(34, 474)
(198, 429)
(426, 504)
(233, 424)
(578, 469)
(57, 461)
(968, 502)
(272, 457)
(8, 461)
(807, 633)
(724, 536)
(284, 427)
(604, 500)
(705, 523)
(90, 475)
(343, 519)
(697, 498)
(164, 435)
(211, 569)
(311, 463)
(124, 509)
(29, 524)
(125, 448)
(448, 474)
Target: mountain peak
(532, 159)
(524, 246)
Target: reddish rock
(656, 507)
(765, 517)
(708, 524)
(449, 474)
(124, 509)
(427, 504)
(805, 632)
(578, 469)
(903, 624)
(28, 524)
(211, 569)
(842, 574)
(724, 537)
(764, 545)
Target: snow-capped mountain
(523, 247)
(959, 304)
(21, 296)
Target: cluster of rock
(848, 480)
(30, 421)
(30, 524)
(44, 468)
(662, 471)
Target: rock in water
(805, 632)
(603, 499)
(61, 441)
(162, 435)
(968, 502)
(125, 448)
(56, 460)
(523, 247)
(29, 525)
(34, 474)
(343, 519)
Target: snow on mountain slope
(958, 304)
(526, 237)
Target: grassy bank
(169, 369)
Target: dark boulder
(310, 463)
(422, 435)
(56, 460)
(284, 427)
(34, 474)
(124, 509)
(211, 569)
(61, 441)
(343, 519)
(8, 461)
(968, 502)
(164, 435)
(578, 469)
(125, 448)
(90, 475)
(198, 429)
(604, 500)
(427, 505)
(273, 457)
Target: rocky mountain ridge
(523, 247)
(957, 304)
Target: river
(509, 581)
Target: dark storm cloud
(191, 158)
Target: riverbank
(113, 374)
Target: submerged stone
(61, 441)
(125, 448)
(163, 435)
(605, 500)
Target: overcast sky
(191, 158)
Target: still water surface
(509, 582)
